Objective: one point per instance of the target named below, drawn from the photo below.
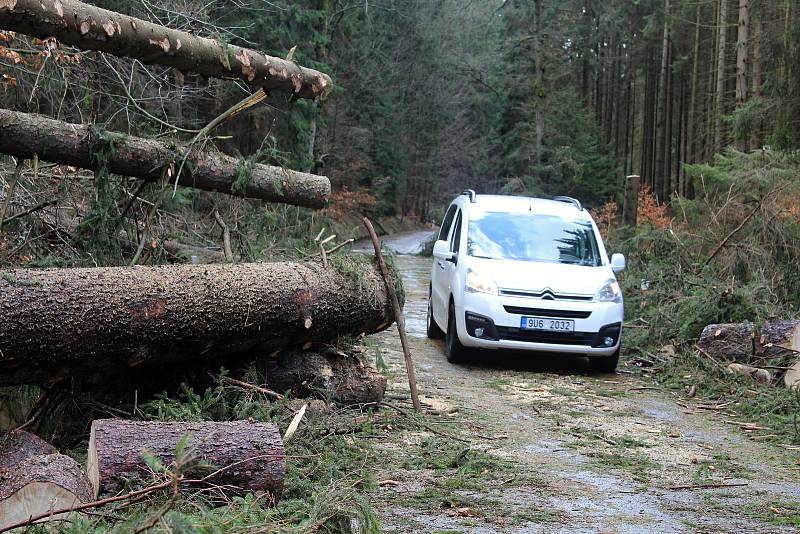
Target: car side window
(455, 241)
(447, 223)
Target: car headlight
(609, 292)
(479, 283)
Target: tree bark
(235, 456)
(18, 445)
(333, 376)
(67, 323)
(23, 134)
(41, 483)
(729, 342)
(631, 201)
(92, 28)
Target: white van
(526, 274)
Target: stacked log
(234, 456)
(67, 323)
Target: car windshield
(529, 236)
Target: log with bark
(64, 323)
(41, 483)
(35, 478)
(329, 374)
(92, 28)
(234, 456)
(729, 342)
(19, 445)
(23, 134)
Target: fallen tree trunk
(729, 342)
(23, 134)
(92, 28)
(330, 375)
(235, 456)
(39, 484)
(64, 323)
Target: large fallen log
(23, 134)
(330, 375)
(92, 28)
(63, 323)
(235, 456)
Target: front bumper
(484, 321)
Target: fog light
(479, 332)
(608, 341)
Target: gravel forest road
(591, 453)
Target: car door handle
(441, 264)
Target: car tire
(433, 330)
(456, 352)
(605, 364)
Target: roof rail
(471, 194)
(574, 201)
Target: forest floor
(521, 445)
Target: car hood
(536, 276)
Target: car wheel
(605, 364)
(455, 350)
(433, 330)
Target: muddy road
(582, 452)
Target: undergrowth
(731, 254)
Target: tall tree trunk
(691, 153)
(758, 32)
(719, 134)
(660, 177)
(92, 28)
(669, 119)
(741, 62)
(539, 89)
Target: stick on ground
(398, 314)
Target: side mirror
(441, 250)
(617, 262)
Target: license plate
(550, 325)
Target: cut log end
(39, 484)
